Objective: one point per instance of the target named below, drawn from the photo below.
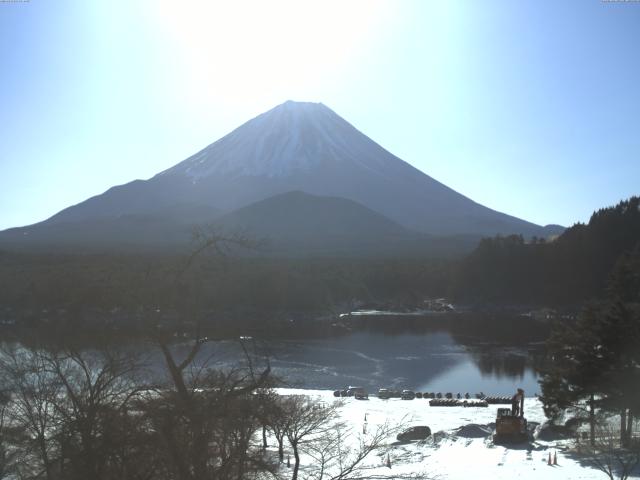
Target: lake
(433, 361)
(450, 353)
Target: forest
(568, 270)
(232, 291)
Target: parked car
(384, 393)
(408, 395)
(414, 433)
(358, 392)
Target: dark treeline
(249, 293)
(228, 292)
(467, 328)
(566, 271)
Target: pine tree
(573, 378)
(595, 362)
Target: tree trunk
(592, 422)
(281, 449)
(199, 452)
(264, 437)
(623, 427)
(89, 457)
(42, 445)
(296, 466)
(629, 427)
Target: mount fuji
(294, 147)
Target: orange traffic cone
(549, 462)
(555, 458)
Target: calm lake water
(424, 362)
(453, 354)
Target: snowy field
(453, 452)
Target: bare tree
(204, 419)
(97, 390)
(337, 452)
(208, 240)
(277, 420)
(607, 454)
(342, 454)
(208, 418)
(304, 420)
(8, 453)
(33, 391)
(73, 410)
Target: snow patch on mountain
(292, 137)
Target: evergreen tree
(573, 378)
(595, 362)
(567, 271)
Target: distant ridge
(297, 221)
(301, 215)
(295, 147)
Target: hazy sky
(528, 107)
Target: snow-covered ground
(452, 452)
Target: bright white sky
(527, 107)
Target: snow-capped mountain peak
(303, 147)
(291, 138)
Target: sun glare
(236, 51)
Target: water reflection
(464, 355)
(426, 361)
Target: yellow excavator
(511, 426)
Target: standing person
(517, 403)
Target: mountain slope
(292, 224)
(167, 228)
(300, 215)
(303, 147)
(303, 223)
